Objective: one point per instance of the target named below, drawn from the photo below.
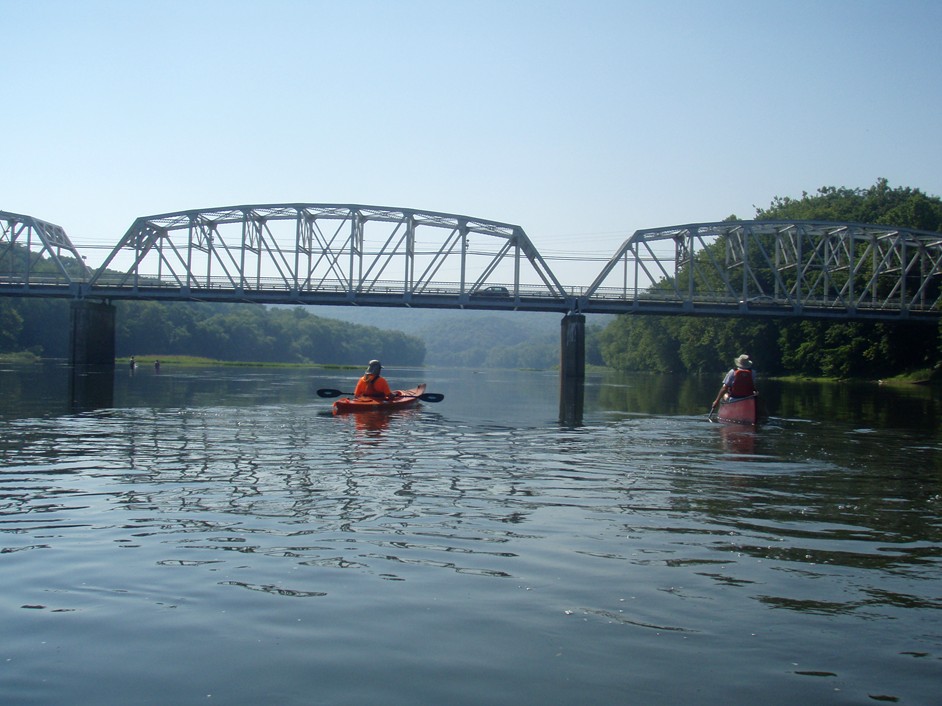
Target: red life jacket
(742, 383)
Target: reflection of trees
(863, 511)
(34, 390)
(828, 507)
(657, 394)
(822, 494)
(862, 403)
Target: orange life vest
(372, 386)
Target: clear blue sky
(581, 121)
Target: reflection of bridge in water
(330, 254)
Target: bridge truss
(38, 256)
(376, 256)
(324, 253)
(791, 268)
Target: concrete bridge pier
(92, 336)
(572, 369)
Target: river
(216, 536)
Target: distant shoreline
(197, 361)
(925, 376)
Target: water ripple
(608, 550)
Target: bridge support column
(572, 369)
(93, 333)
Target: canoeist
(739, 382)
(372, 384)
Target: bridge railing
(603, 300)
(615, 301)
(118, 282)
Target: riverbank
(19, 357)
(191, 361)
(923, 376)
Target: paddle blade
(432, 397)
(329, 393)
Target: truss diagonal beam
(349, 250)
(797, 268)
(36, 252)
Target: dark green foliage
(820, 348)
(593, 344)
(905, 207)
(37, 325)
(237, 332)
(641, 343)
(243, 332)
(11, 326)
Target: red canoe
(403, 399)
(741, 410)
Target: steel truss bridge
(334, 254)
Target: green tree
(11, 324)
(839, 349)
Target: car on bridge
(494, 291)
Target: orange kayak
(402, 399)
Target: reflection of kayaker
(744, 410)
(371, 421)
(738, 439)
(372, 384)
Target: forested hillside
(479, 338)
(255, 333)
(237, 332)
(816, 348)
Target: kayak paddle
(425, 397)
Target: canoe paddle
(425, 397)
(712, 410)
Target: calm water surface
(216, 536)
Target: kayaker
(739, 382)
(372, 384)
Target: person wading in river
(739, 382)
(372, 384)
